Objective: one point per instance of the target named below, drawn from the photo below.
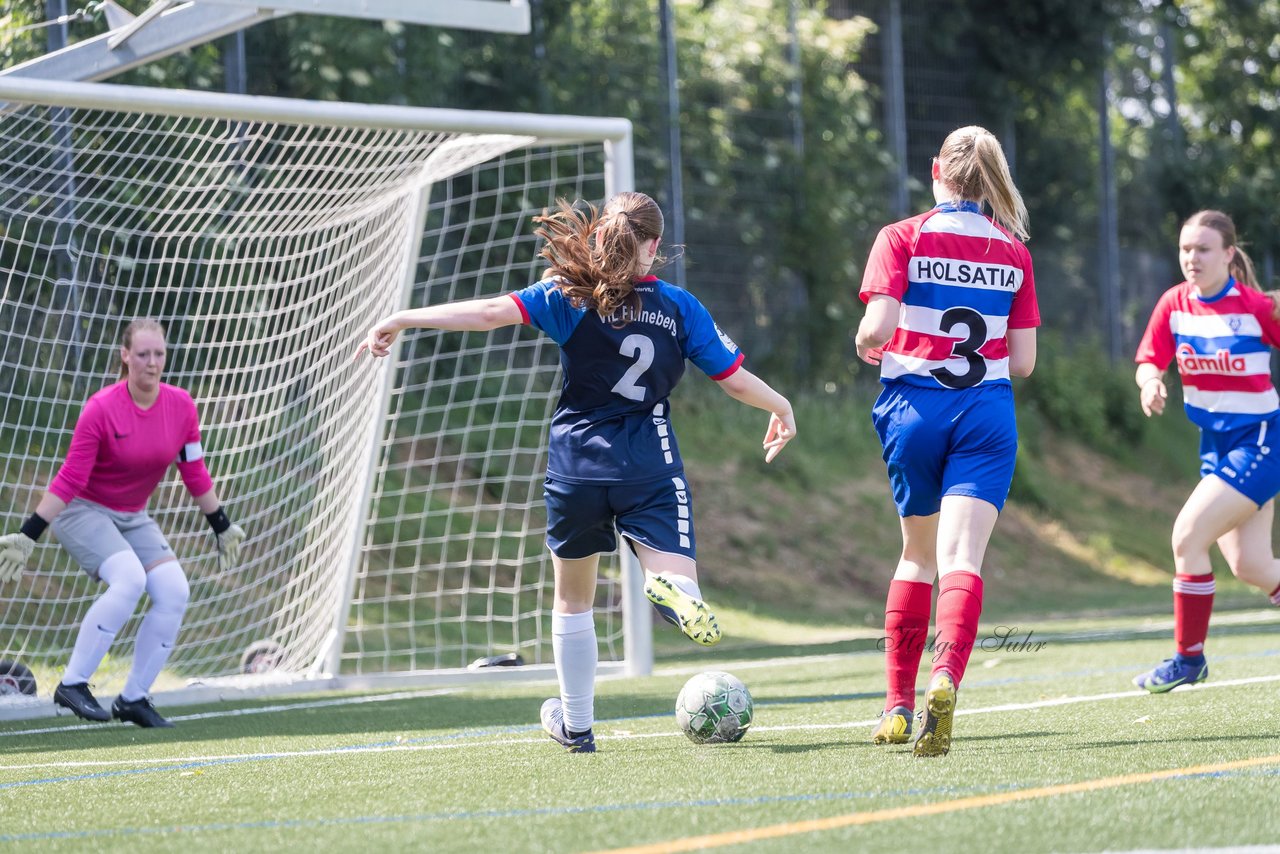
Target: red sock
(959, 607)
(906, 631)
(1192, 605)
(1275, 595)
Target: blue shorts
(1247, 458)
(946, 442)
(581, 517)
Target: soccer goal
(394, 509)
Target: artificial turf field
(1054, 751)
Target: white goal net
(394, 509)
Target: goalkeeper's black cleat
(80, 700)
(139, 712)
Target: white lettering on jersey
(1221, 362)
(725, 339)
(625, 314)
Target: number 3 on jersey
(968, 348)
(640, 348)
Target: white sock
(169, 592)
(687, 585)
(125, 580)
(573, 640)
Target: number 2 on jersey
(640, 348)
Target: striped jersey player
(1220, 331)
(1222, 346)
(951, 315)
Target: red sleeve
(1156, 347)
(524, 312)
(190, 461)
(1025, 311)
(886, 270)
(1264, 309)
(73, 476)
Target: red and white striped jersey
(963, 282)
(1222, 346)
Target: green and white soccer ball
(714, 708)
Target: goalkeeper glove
(228, 537)
(15, 551)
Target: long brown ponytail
(126, 339)
(594, 253)
(973, 166)
(1241, 267)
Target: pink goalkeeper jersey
(120, 452)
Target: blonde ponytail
(973, 166)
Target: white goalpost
(394, 508)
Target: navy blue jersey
(612, 424)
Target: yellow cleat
(690, 615)
(939, 708)
(894, 726)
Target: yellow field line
(737, 837)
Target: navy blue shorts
(946, 442)
(581, 517)
(1246, 458)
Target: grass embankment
(803, 548)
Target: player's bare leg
(671, 584)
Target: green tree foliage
(1226, 57)
(775, 239)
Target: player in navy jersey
(951, 315)
(613, 463)
(1221, 331)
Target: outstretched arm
(475, 315)
(747, 387)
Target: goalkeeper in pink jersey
(127, 436)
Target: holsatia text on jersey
(946, 271)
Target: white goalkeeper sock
(169, 592)
(573, 640)
(125, 580)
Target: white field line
(616, 735)
(260, 710)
